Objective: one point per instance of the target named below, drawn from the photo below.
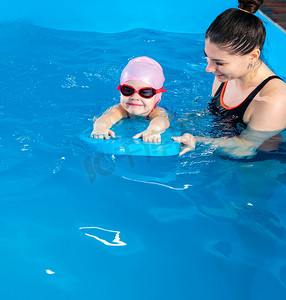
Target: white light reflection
(50, 272)
(186, 186)
(115, 242)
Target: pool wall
(115, 16)
(112, 16)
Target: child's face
(135, 104)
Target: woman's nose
(211, 67)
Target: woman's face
(135, 104)
(224, 65)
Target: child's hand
(149, 136)
(188, 140)
(102, 134)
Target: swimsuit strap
(254, 92)
(261, 86)
(219, 90)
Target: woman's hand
(188, 140)
(150, 136)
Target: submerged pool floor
(79, 224)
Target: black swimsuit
(232, 118)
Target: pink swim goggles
(146, 92)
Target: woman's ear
(254, 56)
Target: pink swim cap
(144, 69)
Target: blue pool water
(77, 224)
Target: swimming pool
(76, 224)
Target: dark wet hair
(238, 30)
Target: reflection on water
(157, 183)
(104, 236)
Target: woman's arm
(268, 113)
(158, 125)
(267, 119)
(241, 146)
(102, 125)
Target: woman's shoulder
(269, 109)
(274, 84)
(274, 89)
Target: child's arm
(102, 125)
(158, 124)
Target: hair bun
(250, 5)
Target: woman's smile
(220, 76)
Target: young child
(141, 87)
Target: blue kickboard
(124, 144)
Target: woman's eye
(219, 64)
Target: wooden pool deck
(276, 11)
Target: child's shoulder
(158, 112)
(116, 108)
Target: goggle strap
(161, 90)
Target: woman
(245, 91)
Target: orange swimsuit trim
(221, 98)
